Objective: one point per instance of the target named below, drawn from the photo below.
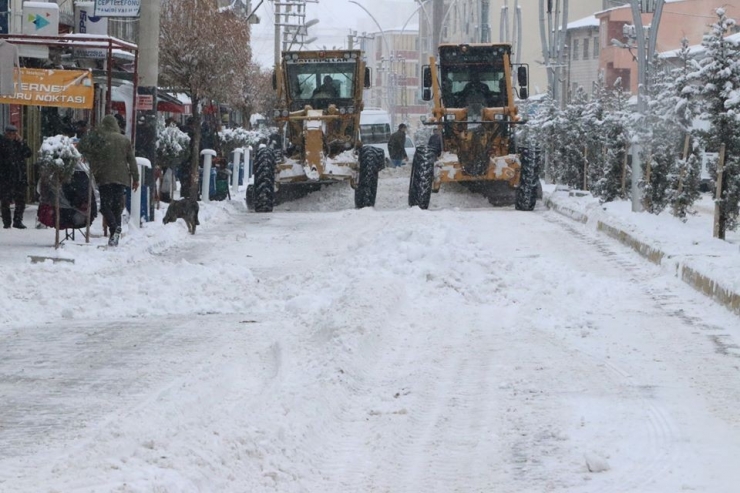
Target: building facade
(688, 18)
(584, 51)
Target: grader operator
(320, 100)
(474, 106)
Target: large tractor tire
(422, 177)
(371, 162)
(526, 194)
(263, 192)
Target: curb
(704, 284)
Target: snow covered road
(461, 349)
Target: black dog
(183, 209)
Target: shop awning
(170, 104)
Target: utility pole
(146, 118)
(290, 25)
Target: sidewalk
(687, 250)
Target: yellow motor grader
(472, 88)
(320, 98)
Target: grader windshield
(320, 81)
(475, 75)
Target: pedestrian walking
(13, 176)
(397, 146)
(113, 164)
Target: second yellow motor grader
(471, 86)
(320, 98)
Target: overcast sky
(336, 18)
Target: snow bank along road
(461, 349)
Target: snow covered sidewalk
(686, 249)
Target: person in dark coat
(13, 176)
(113, 164)
(435, 142)
(397, 146)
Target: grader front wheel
(422, 177)
(371, 161)
(526, 194)
(263, 191)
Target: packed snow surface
(325, 349)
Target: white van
(375, 129)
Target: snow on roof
(697, 49)
(590, 21)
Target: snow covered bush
(58, 158)
(233, 138)
(173, 146)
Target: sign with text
(87, 23)
(144, 102)
(57, 88)
(117, 8)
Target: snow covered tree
(173, 145)
(58, 158)
(718, 81)
(205, 51)
(542, 132)
(610, 181)
(593, 125)
(686, 177)
(569, 146)
(660, 135)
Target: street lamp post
(385, 41)
(644, 54)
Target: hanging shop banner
(117, 8)
(58, 88)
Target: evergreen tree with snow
(686, 176)
(718, 81)
(541, 132)
(660, 136)
(570, 149)
(593, 125)
(617, 122)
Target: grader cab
(473, 92)
(320, 100)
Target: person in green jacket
(113, 164)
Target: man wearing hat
(13, 176)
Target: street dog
(183, 209)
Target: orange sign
(59, 88)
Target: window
(375, 133)
(576, 48)
(596, 47)
(585, 48)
